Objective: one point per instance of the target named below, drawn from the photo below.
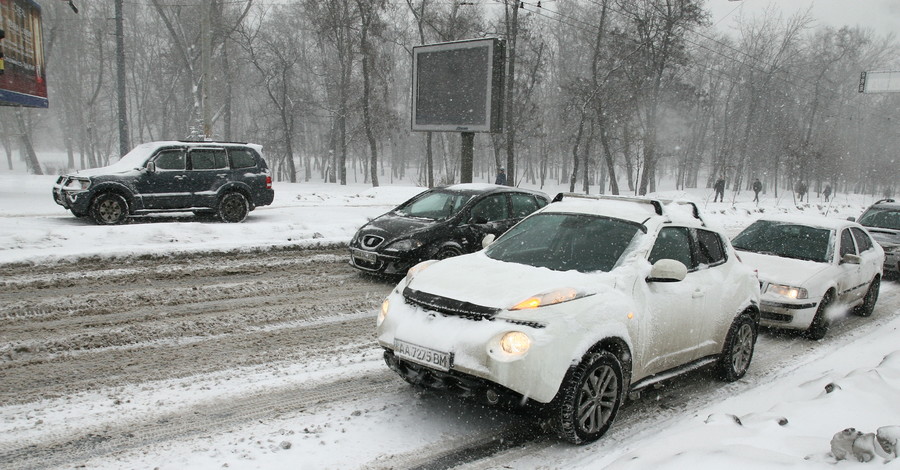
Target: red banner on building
(23, 81)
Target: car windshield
(564, 242)
(786, 240)
(435, 205)
(881, 218)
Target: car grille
(779, 317)
(450, 307)
(370, 242)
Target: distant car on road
(882, 220)
(580, 304)
(807, 264)
(440, 223)
(224, 178)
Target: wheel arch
(618, 347)
(239, 188)
(118, 189)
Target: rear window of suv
(241, 158)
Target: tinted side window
(208, 159)
(170, 160)
(491, 208)
(673, 243)
(710, 246)
(847, 246)
(862, 240)
(241, 158)
(523, 204)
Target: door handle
(698, 293)
(221, 175)
(180, 177)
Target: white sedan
(581, 303)
(806, 265)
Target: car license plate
(422, 355)
(365, 256)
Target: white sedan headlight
(790, 292)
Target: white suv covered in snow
(579, 304)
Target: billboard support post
(467, 157)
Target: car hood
(885, 237)
(392, 226)
(789, 271)
(480, 280)
(106, 171)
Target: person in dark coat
(501, 177)
(757, 187)
(827, 192)
(720, 189)
(801, 190)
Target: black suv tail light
(268, 182)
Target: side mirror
(851, 219)
(851, 259)
(151, 167)
(487, 240)
(667, 270)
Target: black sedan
(440, 223)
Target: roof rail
(657, 206)
(656, 203)
(884, 200)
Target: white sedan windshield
(785, 240)
(563, 242)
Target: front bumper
(784, 313)
(75, 200)
(375, 262)
(478, 363)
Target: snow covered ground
(788, 419)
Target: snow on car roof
(473, 187)
(811, 220)
(633, 209)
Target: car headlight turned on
(548, 298)
(790, 292)
(382, 314)
(515, 342)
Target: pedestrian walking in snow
(827, 192)
(801, 190)
(720, 189)
(501, 177)
(757, 187)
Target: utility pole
(124, 144)
(206, 32)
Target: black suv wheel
(109, 209)
(233, 208)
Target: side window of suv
(241, 158)
(710, 248)
(208, 159)
(673, 243)
(170, 160)
(523, 204)
(862, 240)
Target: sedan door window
(170, 160)
(862, 240)
(523, 204)
(490, 209)
(710, 248)
(847, 246)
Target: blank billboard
(879, 82)
(458, 86)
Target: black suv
(224, 178)
(440, 223)
(882, 220)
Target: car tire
(448, 251)
(109, 209)
(738, 351)
(233, 208)
(589, 399)
(819, 325)
(866, 308)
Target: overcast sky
(881, 15)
